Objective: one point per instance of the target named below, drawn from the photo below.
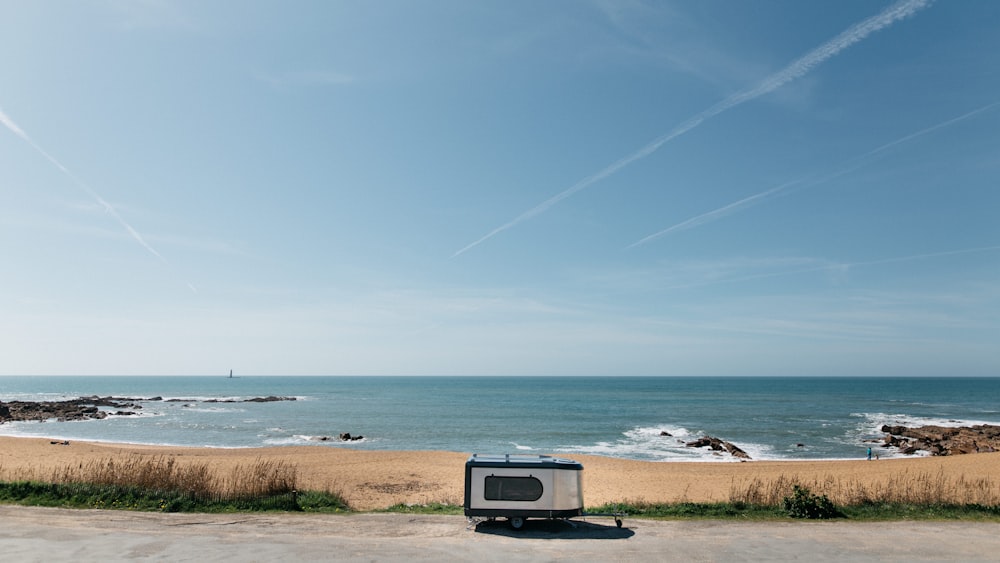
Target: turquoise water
(610, 416)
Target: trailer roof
(521, 460)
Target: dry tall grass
(164, 473)
(919, 488)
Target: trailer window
(513, 488)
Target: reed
(905, 487)
(164, 473)
(162, 483)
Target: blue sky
(584, 187)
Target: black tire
(618, 522)
(516, 522)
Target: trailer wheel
(618, 522)
(516, 522)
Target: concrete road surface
(49, 534)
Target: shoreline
(334, 444)
(376, 479)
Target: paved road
(46, 534)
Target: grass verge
(88, 495)
(161, 483)
(752, 512)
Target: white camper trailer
(517, 487)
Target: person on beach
(869, 454)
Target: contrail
(796, 69)
(716, 214)
(14, 128)
(855, 163)
(842, 266)
(933, 128)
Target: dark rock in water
(800, 445)
(735, 451)
(346, 437)
(943, 440)
(718, 445)
(665, 433)
(706, 441)
(270, 399)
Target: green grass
(83, 495)
(899, 511)
(86, 495)
(693, 511)
(751, 512)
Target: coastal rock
(84, 408)
(735, 451)
(347, 437)
(943, 440)
(717, 445)
(116, 402)
(665, 433)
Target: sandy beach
(378, 479)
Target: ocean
(771, 418)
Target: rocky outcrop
(270, 399)
(718, 445)
(943, 440)
(84, 408)
(90, 408)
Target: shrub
(804, 504)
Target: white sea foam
(320, 439)
(650, 443)
(874, 421)
(285, 441)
